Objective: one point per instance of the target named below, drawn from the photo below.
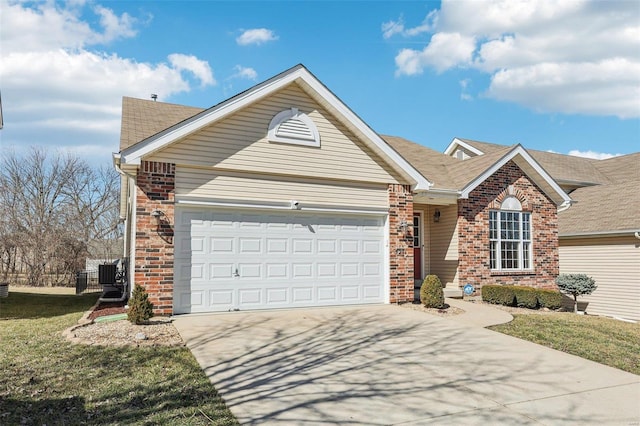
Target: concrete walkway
(478, 314)
(388, 365)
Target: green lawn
(604, 340)
(46, 380)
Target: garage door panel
(350, 292)
(302, 270)
(302, 246)
(278, 295)
(219, 300)
(277, 245)
(302, 295)
(218, 245)
(245, 260)
(277, 271)
(372, 292)
(327, 294)
(219, 271)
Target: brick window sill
(513, 272)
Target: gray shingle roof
(612, 204)
(142, 118)
(602, 208)
(625, 168)
(563, 168)
(431, 164)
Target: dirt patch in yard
(105, 309)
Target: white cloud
(445, 51)
(256, 36)
(592, 154)
(464, 84)
(574, 56)
(58, 90)
(608, 87)
(200, 69)
(50, 25)
(115, 26)
(391, 28)
(244, 72)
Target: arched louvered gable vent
(295, 127)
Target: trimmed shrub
(499, 295)
(526, 297)
(549, 299)
(140, 308)
(576, 285)
(431, 294)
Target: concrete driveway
(383, 365)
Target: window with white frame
(510, 237)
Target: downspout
(128, 218)
(637, 234)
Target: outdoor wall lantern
(157, 215)
(436, 216)
(403, 226)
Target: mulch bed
(107, 308)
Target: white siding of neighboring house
(442, 244)
(242, 187)
(239, 143)
(614, 263)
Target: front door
(417, 246)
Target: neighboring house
(600, 233)
(281, 196)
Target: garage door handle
(236, 274)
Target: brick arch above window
(510, 191)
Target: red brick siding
(473, 231)
(400, 244)
(154, 242)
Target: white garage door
(244, 259)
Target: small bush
(526, 297)
(499, 295)
(431, 294)
(140, 308)
(576, 285)
(549, 299)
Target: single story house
(281, 196)
(600, 233)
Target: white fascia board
(596, 234)
(422, 183)
(304, 207)
(457, 142)
(437, 197)
(133, 154)
(518, 150)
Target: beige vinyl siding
(240, 143)
(614, 262)
(442, 259)
(209, 184)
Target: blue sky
(560, 76)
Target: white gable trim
(135, 153)
(451, 149)
(518, 150)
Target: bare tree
(53, 205)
